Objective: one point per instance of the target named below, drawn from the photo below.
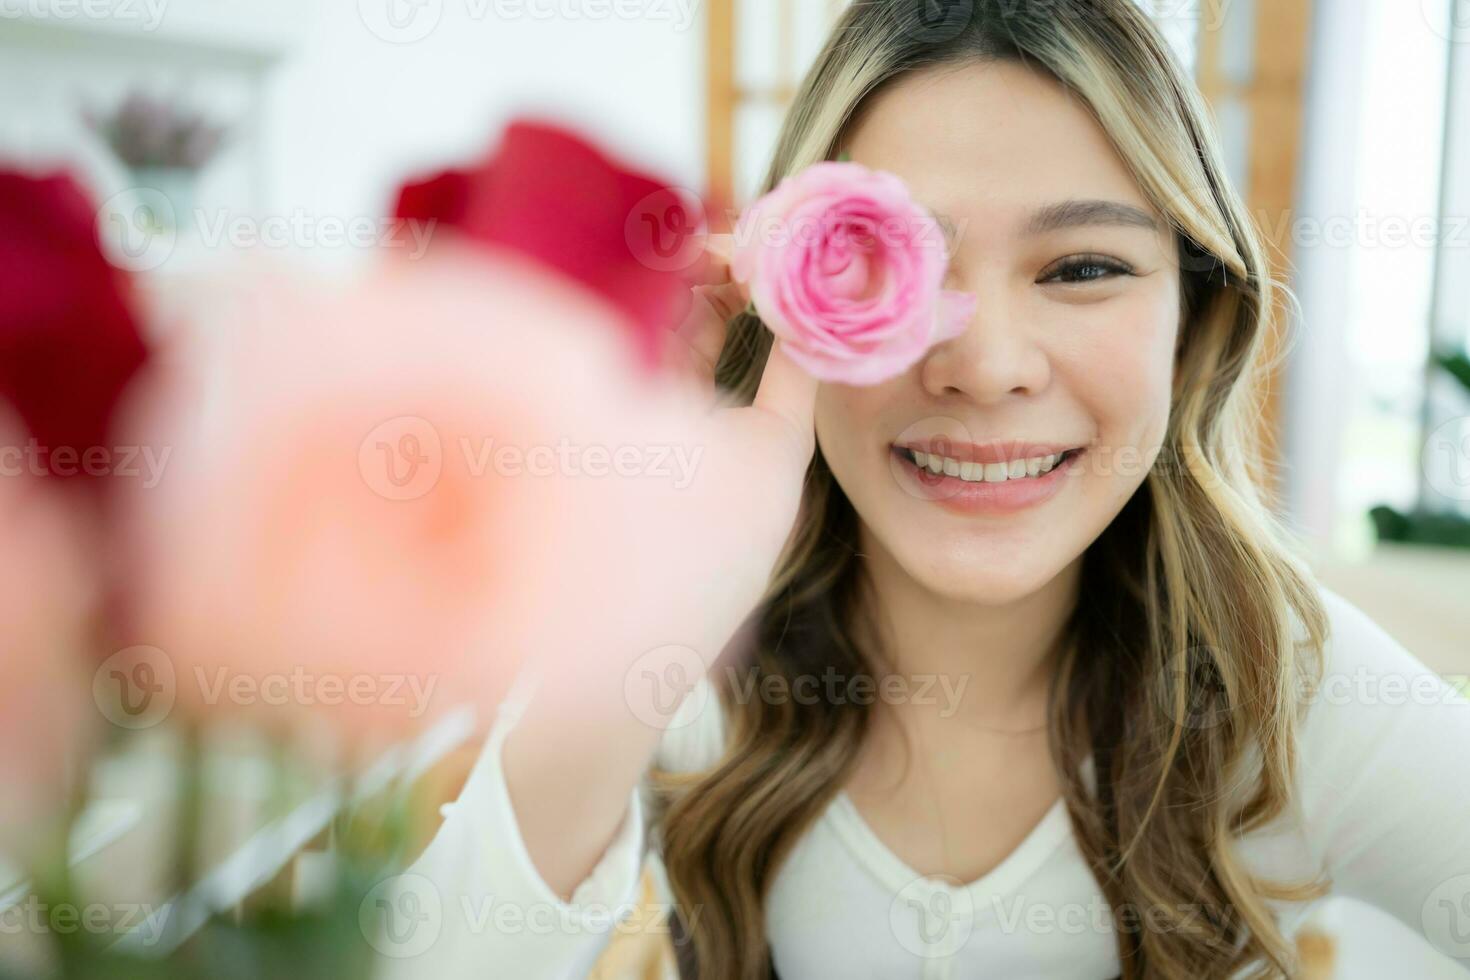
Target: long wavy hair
(1198, 630)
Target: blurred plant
(1420, 527)
(147, 132)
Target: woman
(1072, 706)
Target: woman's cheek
(1121, 366)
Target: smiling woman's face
(1071, 346)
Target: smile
(976, 472)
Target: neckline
(894, 873)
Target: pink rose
(47, 605)
(362, 518)
(846, 269)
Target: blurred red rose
(550, 195)
(69, 339)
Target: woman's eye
(1085, 269)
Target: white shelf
(209, 33)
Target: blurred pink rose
(47, 604)
(846, 269)
(364, 511)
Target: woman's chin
(979, 576)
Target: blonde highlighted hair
(1198, 629)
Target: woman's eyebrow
(1071, 214)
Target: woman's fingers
(713, 265)
(703, 330)
(717, 300)
(788, 392)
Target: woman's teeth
(1016, 469)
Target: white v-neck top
(1382, 806)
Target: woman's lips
(976, 497)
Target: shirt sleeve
(1385, 781)
(474, 904)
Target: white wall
(332, 106)
(350, 113)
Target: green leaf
(1456, 364)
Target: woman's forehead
(994, 136)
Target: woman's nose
(997, 355)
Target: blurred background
(1345, 121)
(289, 123)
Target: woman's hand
(665, 573)
(717, 299)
